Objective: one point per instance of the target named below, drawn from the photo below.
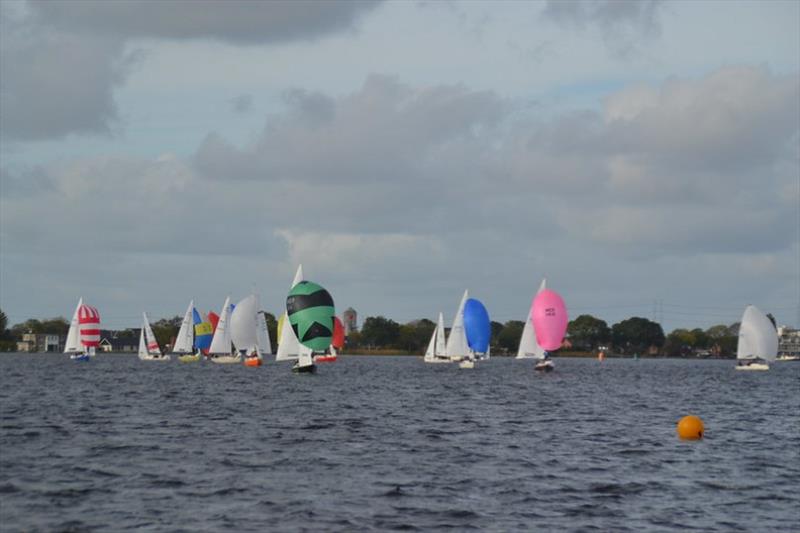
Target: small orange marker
(690, 428)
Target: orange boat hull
(255, 361)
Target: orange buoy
(690, 428)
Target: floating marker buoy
(690, 428)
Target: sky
(642, 156)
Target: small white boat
(184, 341)
(149, 350)
(528, 347)
(544, 365)
(221, 350)
(437, 350)
(457, 347)
(467, 363)
(758, 341)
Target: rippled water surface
(386, 443)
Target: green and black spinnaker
(310, 310)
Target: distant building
(788, 341)
(40, 342)
(119, 341)
(350, 320)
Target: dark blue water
(390, 443)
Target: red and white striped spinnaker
(89, 321)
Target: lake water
(390, 443)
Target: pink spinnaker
(549, 316)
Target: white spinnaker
(457, 342)
(184, 342)
(757, 336)
(244, 325)
(73, 342)
(221, 343)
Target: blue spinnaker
(477, 326)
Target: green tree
(508, 339)
(380, 332)
(415, 335)
(588, 332)
(165, 330)
(679, 343)
(636, 335)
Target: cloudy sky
(643, 156)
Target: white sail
(184, 342)
(441, 346)
(758, 338)
(528, 347)
(221, 343)
(73, 342)
(457, 342)
(430, 352)
(262, 333)
(305, 357)
(289, 347)
(152, 344)
(142, 346)
(244, 325)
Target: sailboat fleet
(310, 333)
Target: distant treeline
(586, 333)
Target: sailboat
(337, 342)
(758, 341)
(437, 349)
(457, 348)
(528, 347)
(184, 342)
(83, 336)
(549, 319)
(289, 348)
(264, 342)
(245, 330)
(221, 345)
(478, 330)
(148, 345)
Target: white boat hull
(544, 366)
(753, 366)
(467, 363)
(788, 358)
(227, 359)
(154, 358)
(438, 360)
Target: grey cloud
(54, 83)
(60, 61)
(234, 21)
(622, 23)
(456, 160)
(242, 103)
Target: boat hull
(438, 360)
(466, 364)
(226, 359)
(544, 366)
(753, 367)
(305, 369)
(189, 358)
(151, 358)
(79, 357)
(252, 361)
(324, 358)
